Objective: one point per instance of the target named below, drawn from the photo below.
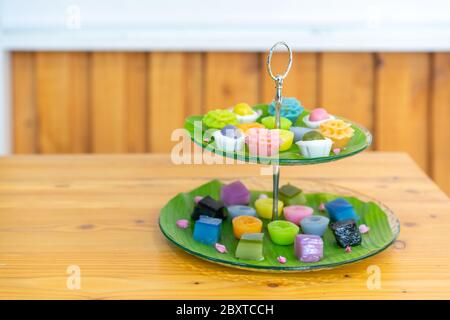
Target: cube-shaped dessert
(308, 248)
(250, 247)
(207, 206)
(207, 230)
(291, 195)
(340, 209)
(234, 193)
(346, 233)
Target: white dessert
(315, 148)
(228, 144)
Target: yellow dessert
(264, 207)
(246, 126)
(287, 137)
(339, 131)
(243, 109)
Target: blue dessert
(290, 108)
(207, 230)
(340, 209)
(238, 210)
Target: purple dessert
(308, 247)
(235, 194)
(231, 131)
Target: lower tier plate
(384, 229)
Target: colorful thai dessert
(338, 131)
(314, 145)
(290, 109)
(340, 209)
(269, 123)
(207, 230)
(296, 213)
(229, 138)
(263, 142)
(291, 195)
(234, 193)
(299, 132)
(282, 232)
(316, 225)
(346, 233)
(316, 117)
(220, 118)
(238, 210)
(264, 207)
(246, 224)
(287, 138)
(250, 247)
(207, 206)
(246, 126)
(308, 248)
(245, 113)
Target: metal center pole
(276, 167)
(278, 102)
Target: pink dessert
(281, 259)
(318, 114)
(182, 223)
(363, 228)
(263, 142)
(296, 213)
(235, 193)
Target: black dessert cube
(209, 207)
(346, 233)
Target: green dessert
(250, 247)
(291, 195)
(220, 118)
(312, 135)
(269, 123)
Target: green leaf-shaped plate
(384, 229)
(359, 142)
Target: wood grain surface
(123, 102)
(100, 213)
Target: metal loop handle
(269, 60)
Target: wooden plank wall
(114, 102)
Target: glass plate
(384, 229)
(360, 141)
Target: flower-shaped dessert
(245, 113)
(269, 123)
(229, 139)
(290, 108)
(263, 142)
(338, 131)
(316, 117)
(220, 118)
(287, 137)
(314, 145)
(245, 126)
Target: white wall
(350, 25)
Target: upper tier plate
(360, 141)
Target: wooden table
(99, 214)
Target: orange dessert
(338, 131)
(245, 126)
(246, 224)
